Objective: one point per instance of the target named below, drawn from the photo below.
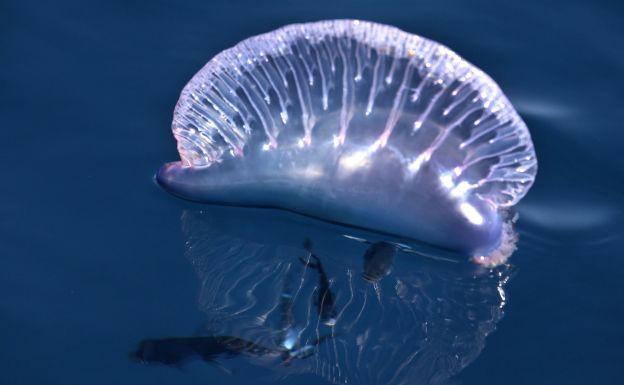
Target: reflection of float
(301, 296)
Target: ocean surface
(107, 279)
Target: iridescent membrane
(356, 123)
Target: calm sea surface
(102, 270)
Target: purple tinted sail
(357, 123)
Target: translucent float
(356, 123)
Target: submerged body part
(378, 261)
(176, 351)
(356, 123)
(421, 322)
(325, 299)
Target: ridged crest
(345, 81)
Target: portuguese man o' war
(356, 123)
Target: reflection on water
(299, 296)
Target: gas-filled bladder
(356, 123)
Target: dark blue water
(96, 258)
